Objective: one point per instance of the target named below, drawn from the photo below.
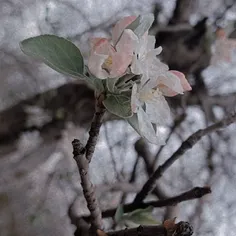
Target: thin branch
(182, 228)
(181, 12)
(142, 149)
(158, 230)
(94, 130)
(186, 145)
(83, 156)
(88, 188)
(194, 193)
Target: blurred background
(42, 111)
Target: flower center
(147, 95)
(107, 64)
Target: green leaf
(56, 52)
(140, 217)
(119, 213)
(133, 121)
(111, 82)
(95, 83)
(141, 24)
(118, 104)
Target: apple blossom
(151, 107)
(111, 58)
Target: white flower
(145, 62)
(111, 58)
(157, 81)
(152, 109)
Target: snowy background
(39, 178)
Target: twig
(194, 193)
(83, 156)
(95, 128)
(141, 148)
(180, 229)
(88, 188)
(158, 230)
(186, 145)
(181, 12)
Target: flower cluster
(129, 53)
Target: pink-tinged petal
(166, 91)
(120, 26)
(101, 46)
(127, 42)
(184, 82)
(96, 41)
(169, 91)
(95, 63)
(171, 81)
(120, 63)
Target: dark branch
(83, 156)
(180, 229)
(186, 145)
(94, 130)
(194, 193)
(88, 188)
(141, 148)
(181, 12)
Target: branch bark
(180, 229)
(186, 145)
(181, 12)
(83, 156)
(194, 193)
(88, 188)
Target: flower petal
(136, 66)
(134, 98)
(147, 129)
(101, 46)
(184, 82)
(171, 81)
(166, 91)
(158, 110)
(127, 42)
(120, 63)
(120, 26)
(95, 63)
(151, 42)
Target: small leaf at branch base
(56, 52)
(119, 213)
(110, 82)
(133, 121)
(118, 104)
(140, 217)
